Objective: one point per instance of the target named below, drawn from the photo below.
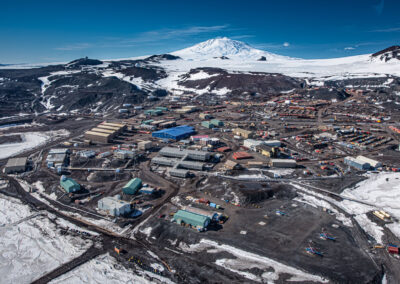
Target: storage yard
(247, 187)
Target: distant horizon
(61, 31)
(145, 55)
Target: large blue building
(174, 133)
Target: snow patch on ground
(106, 269)
(318, 202)
(246, 260)
(282, 172)
(33, 247)
(30, 140)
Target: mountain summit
(225, 47)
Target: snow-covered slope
(234, 55)
(228, 48)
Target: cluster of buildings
(114, 205)
(58, 158)
(181, 160)
(268, 148)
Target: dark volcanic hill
(388, 54)
(96, 86)
(238, 83)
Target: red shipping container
(393, 250)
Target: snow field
(33, 247)
(30, 140)
(246, 260)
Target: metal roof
(102, 130)
(132, 186)
(192, 154)
(176, 131)
(16, 162)
(164, 161)
(192, 218)
(94, 133)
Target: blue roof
(178, 132)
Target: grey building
(356, 163)
(191, 165)
(15, 165)
(179, 173)
(190, 154)
(282, 163)
(164, 161)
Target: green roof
(70, 185)
(207, 124)
(193, 219)
(132, 186)
(153, 111)
(217, 122)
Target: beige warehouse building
(98, 137)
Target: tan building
(108, 127)
(120, 125)
(255, 164)
(186, 109)
(205, 116)
(98, 137)
(243, 133)
(268, 151)
(145, 145)
(107, 131)
(231, 165)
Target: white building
(273, 143)
(373, 163)
(252, 143)
(145, 145)
(114, 206)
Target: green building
(148, 121)
(162, 108)
(198, 221)
(153, 112)
(207, 124)
(216, 122)
(132, 186)
(69, 185)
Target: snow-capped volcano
(226, 48)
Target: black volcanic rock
(146, 74)
(262, 58)
(83, 62)
(160, 93)
(251, 82)
(389, 53)
(162, 57)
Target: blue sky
(51, 31)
